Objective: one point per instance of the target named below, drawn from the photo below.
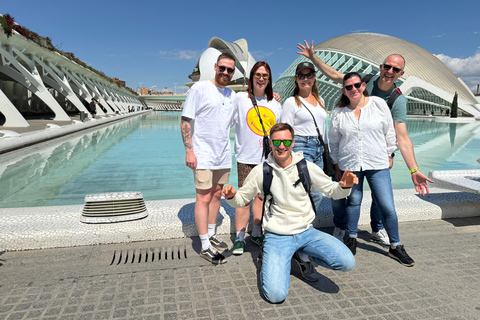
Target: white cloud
(468, 69)
(260, 55)
(177, 54)
(360, 31)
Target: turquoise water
(146, 154)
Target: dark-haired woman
(256, 111)
(305, 112)
(361, 138)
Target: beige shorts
(205, 178)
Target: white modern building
(204, 69)
(37, 81)
(428, 84)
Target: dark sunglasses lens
(303, 76)
(388, 67)
(223, 68)
(276, 143)
(287, 143)
(350, 87)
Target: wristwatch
(392, 155)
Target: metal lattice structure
(427, 82)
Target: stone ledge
(55, 227)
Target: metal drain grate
(149, 255)
(113, 207)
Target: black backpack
(303, 177)
(395, 94)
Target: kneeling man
(288, 217)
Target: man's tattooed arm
(186, 128)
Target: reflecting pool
(146, 154)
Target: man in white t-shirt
(205, 125)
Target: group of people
(363, 136)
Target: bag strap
(267, 182)
(367, 78)
(395, 94)
(254, 102)
(316, 126)
(304, 176)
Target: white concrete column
(30, 79)
(13, 118)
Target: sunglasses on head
(265, 76)
(309, 75)
(223, 68)
(286, 143)
(388, 67)
(356, 85)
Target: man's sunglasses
(356, 85)
(309, 75)
(388, 67)
(286, 143)
(265, 76)
(223, 68)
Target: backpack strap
(267, 182)
(304, 176)
(395, 94)
(367, 77)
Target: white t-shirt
(211, 108)
(301, 120)
(248, 130)
(362, 144)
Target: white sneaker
(381, 236)
(339, 233)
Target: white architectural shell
(427, 82)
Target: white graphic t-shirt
(248, 130)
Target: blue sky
(157, 43)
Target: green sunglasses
(286, 143)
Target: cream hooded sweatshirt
(291, 211)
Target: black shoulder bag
(328, 167)
(266, 144)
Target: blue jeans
(346, 212)
(278, 250)
(313, 152)
(375, 217)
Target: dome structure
(428, 84)
(204, 69)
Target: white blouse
(362, 144)
(301, 120)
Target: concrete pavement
(165, 279)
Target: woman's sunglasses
(309, 75)
(286, 143)
(223, 68)
(356, 85)
(265, 76)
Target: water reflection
(146, 154)
(32, 176)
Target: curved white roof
(419, 62)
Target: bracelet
(414, 170)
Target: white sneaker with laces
(381, 236)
